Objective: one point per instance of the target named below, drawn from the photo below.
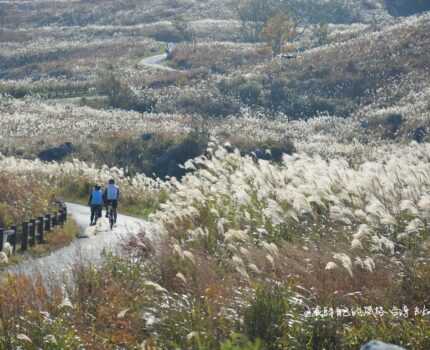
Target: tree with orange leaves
(278, 30)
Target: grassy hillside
(98, 12)
(288, 193)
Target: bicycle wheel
(115, 215)
(111, 218)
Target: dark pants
(96, 212)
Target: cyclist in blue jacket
(95, 202)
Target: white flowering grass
(364, 208)
(60, 176)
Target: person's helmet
(111, 182)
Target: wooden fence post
(32, 232)
(13, 238)
(24, 237)
(48, 222)
(40, 228)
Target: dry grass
(218, 57)
(22, 197)
(334, 287)
(58, 238)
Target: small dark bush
(168, 164)
(56, 153)
(147, 136)
(208, 105)
(391, 125)
(168, 35)
(16, 92)
(271, 150)
(419, 134)
(60, 72)
(248, 91)
(121, 96)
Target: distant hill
(341, 77)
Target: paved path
(59, 263)
(156, 62)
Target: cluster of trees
(268, 20)
(276, 21)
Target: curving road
(156, 62)
(59, 263)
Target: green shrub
(317, 334)
(250, 92)
(48, 332)
(351, 333)
(247, 91)
(239, 342)
(266, 318)
(120, 95)
(290, 97)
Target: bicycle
(111, 215)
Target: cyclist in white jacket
(111, 197)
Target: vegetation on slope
(307, 230)
(251, 248)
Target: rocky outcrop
(378, 345)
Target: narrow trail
(156, 62)
(59, 263)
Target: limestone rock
(3, 258)
(378, 345)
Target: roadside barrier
(32, 232)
